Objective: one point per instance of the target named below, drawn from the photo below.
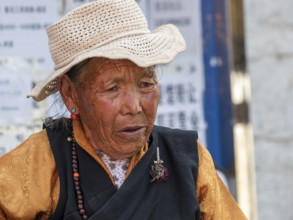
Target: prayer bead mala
(76, 177)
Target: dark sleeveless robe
(137, 198)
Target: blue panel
(217, 97)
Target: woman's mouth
(133, 131)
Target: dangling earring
(73, 116)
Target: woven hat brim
(157, 47)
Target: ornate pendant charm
(159, 172)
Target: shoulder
(167, 130)
(172, 137)
(37, 142)
(215, 200)
(179, 144)
(25, 172)
(205, 157)
(178, 134)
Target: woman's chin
(127, 150)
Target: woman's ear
(67, 92)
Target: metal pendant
(159, 173)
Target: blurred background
(234, 84)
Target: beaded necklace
(76, 177)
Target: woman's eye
(112, 89)
(146, 85)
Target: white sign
(69, 5)
(15, 82)
(181, 102)
(183, 14)
(182, 82)
(22, 29)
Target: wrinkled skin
(116, 101)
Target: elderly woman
(109, 161)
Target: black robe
(137, 198)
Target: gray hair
(76, 70)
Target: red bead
(73, 116)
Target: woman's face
(117, 103)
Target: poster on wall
(182, 81)
(181, 102)
(22, 29)
(68, 5)
(15, 82)
(186, 15)
(24, 61)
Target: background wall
(269, 49)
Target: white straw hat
(114, 29)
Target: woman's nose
(131, 103)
